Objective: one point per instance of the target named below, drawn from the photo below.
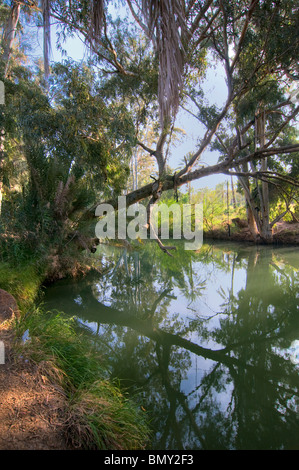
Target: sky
(215, 90)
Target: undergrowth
(23, 282)
(100, 416)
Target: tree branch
(252, 7)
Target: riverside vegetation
(74, 134)
(96, 411)
(95, 414)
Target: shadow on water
(208, 339)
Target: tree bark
(8, 37)
(233, 193)
(251, 211)
(9, 34)
(266, 230)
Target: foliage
(70, 136)
(219, 205)
(67, 149)
(21, 281)
(100, 415)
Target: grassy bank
(23, 282)
(99, 414)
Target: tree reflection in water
(204, 338)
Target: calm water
(209, 341)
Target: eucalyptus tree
(261, 117)
(264, 114)
(242, 36)
(255, 41)
(10, 23)
(73, 150)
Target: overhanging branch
(224, 167)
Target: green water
(208, 341)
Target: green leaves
(75, 149)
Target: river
(207, 342)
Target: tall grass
(100, 416)
(23, 282)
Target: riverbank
(284, 233)
(66, 400)
(32, 410)
(55, 391)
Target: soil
(32, 411)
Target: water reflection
(207, 339)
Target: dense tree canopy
(146, 60)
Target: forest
(76, 133)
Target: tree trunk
(266, 230)
(9, 34)
(8, 37)
(258, 206)
(233, 192)
(253, 220)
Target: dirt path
(32, 411)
